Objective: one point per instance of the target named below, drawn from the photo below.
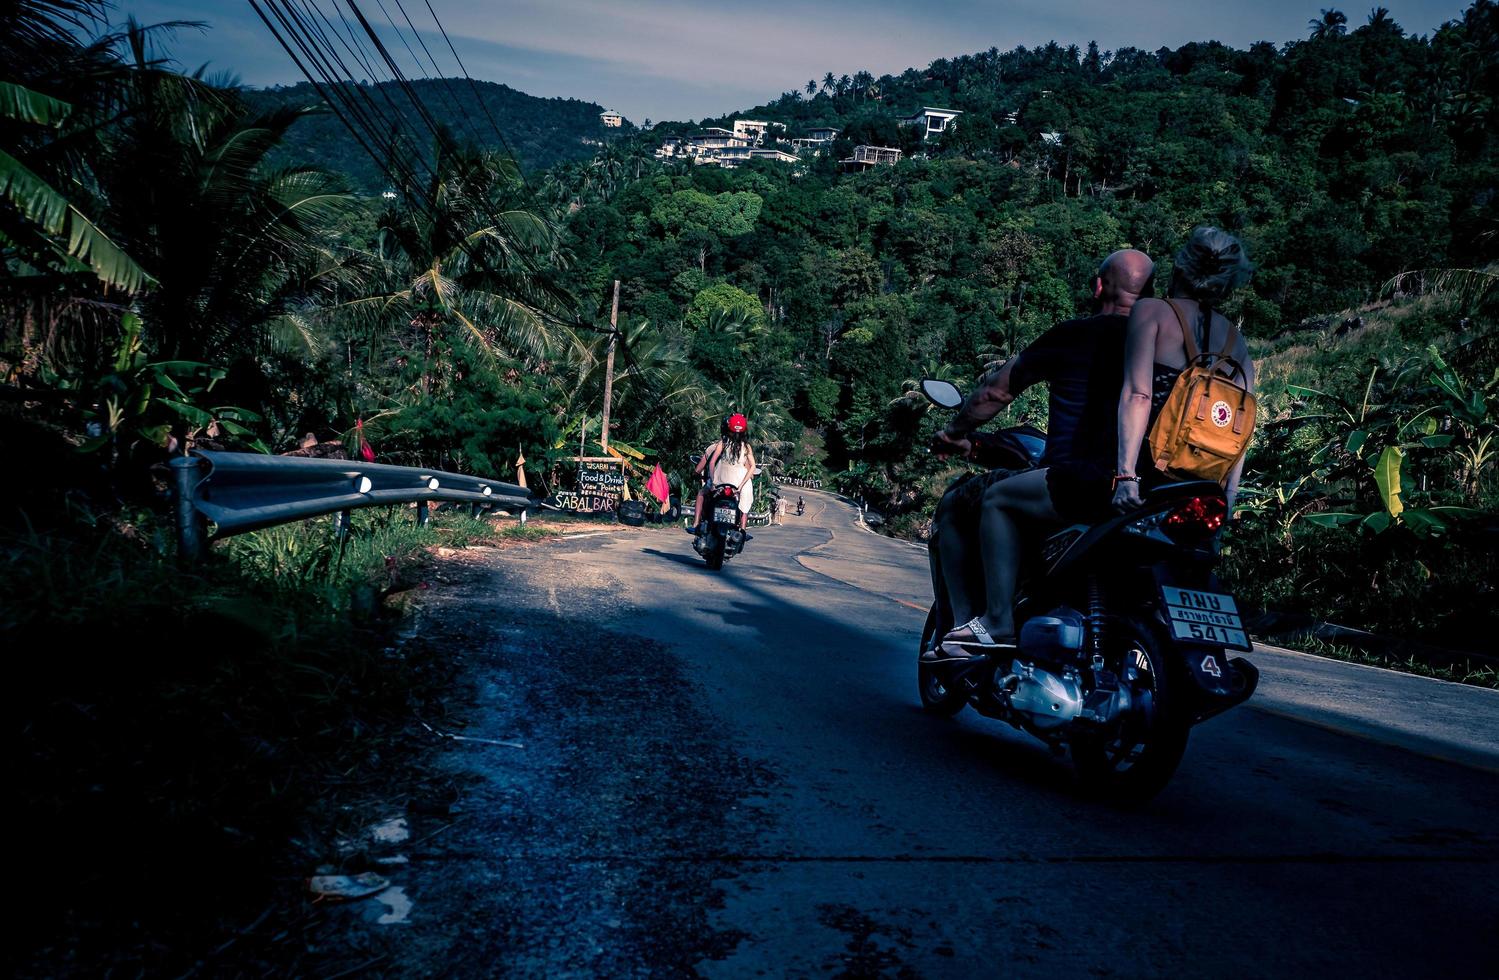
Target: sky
(680, 59)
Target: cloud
(680, 59)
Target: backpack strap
(1188, 340)
(1230, 342)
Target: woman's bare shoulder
(1150, 306)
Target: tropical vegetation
(189, 263)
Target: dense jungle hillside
(189, 265)
(540, 132)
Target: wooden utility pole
(609, 369)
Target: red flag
(366, 452)
(658, 485)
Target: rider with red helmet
(729, 460)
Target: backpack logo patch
(1222, 414)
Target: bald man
(1082, 362)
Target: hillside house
(732, 156)
(871, 156)
(933, 120)
(750, 129)
(713, 139)
(823, 134)
(611, 119)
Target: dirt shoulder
(583, 773)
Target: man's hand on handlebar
(944, 444)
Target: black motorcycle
(722, 539)
(1123, 632)
(801, 508)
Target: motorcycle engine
(1046, 699)
(1049, 700)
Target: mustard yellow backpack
(1207, 420)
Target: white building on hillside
(611, 119)
(732, 156)
(871, 156)
(933, 120)
(751, 129)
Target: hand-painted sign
(600, 489)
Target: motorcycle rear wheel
(1134, 763)
(714, 555)
(935, 697)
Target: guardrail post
(423, 515)
(187, 473)
(341, 525)
(474, 510)
(523, 515)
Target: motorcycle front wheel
(1134, 762)
(935, 697)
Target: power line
(319, 60)
(446, 87)
(357, 52)
(475, 89)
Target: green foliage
(725, 307)
(475, 421)
(159, 402)
(542, 132)
(688, 212)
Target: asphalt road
(728, 773)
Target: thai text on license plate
(726, 515)
(1204, 617)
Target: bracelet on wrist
(1124, 478)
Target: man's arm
(985, 402)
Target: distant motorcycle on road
(722, 539)
(1124, 633)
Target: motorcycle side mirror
(943, 393)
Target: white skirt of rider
(735, 473)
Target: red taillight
(1199, 514)
(727, 493)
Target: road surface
(728, 773)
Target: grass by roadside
(1462, 671)
(229, 722)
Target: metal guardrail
(242, 492)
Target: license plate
(726, 515)
(1204, 617)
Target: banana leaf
(1387, 478)
(1333, 518)
(23, 105)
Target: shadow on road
(680, 559)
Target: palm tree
(470, 263)
(53, 233)
(237, 246)
(56, 101)
(811, 87)
(829, 82)
(1332, 23)
(844, 84)
(609, 167)
(766, 414)
(1380, 20)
